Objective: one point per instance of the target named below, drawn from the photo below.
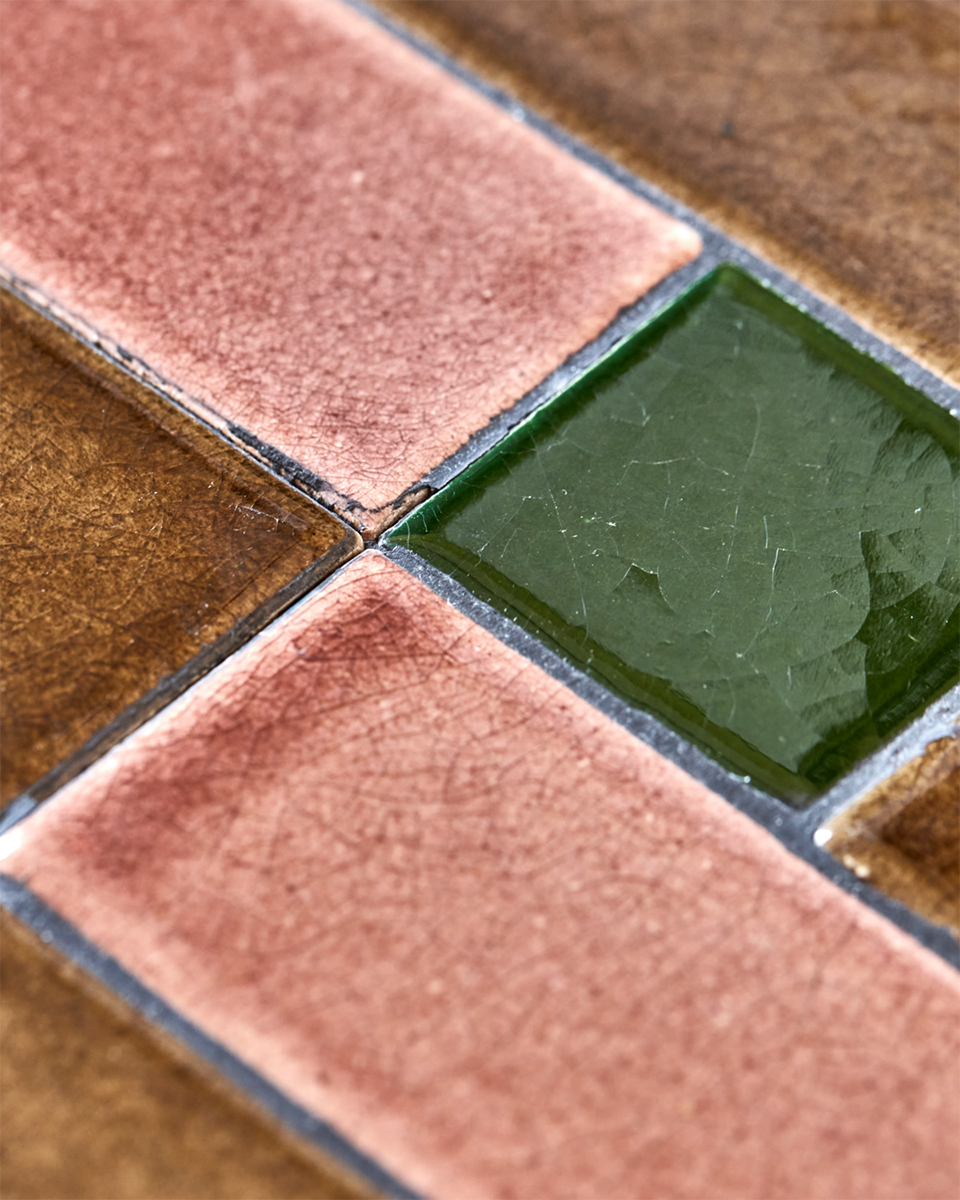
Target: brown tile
(824, 134)
(133, 541)
(308, 227)
(93, 1107)
(904, 836)
(504, 946)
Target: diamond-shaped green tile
(739, 523)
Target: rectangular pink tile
(501, 944)
(306, 226)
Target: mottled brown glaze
(308, 227)
(903, 837)
(824, 134)
(133, 543)
(500, 943)
(94, 1107)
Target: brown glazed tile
(497, 941)
(134, 542)
(823, 134)
(93, 1107)
(904, 836)
(309, 228)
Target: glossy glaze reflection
(738, 523)
(132, 541)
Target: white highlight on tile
(10, 841)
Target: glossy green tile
(736, 521)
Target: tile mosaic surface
(904, 835)
(132, 540)
(830, 126)
(501, 944)
(735, 522)
(310, 228)
(92, 1107)
(490, 935)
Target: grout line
(718, 246)
(177, 687)
(54, 930)
(266, 457)
(625, 323)
(772, 813)
(718, 250)
(938, 721)
(792, 827)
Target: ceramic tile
(93, 1107)
(132, 541)
(736, 522)
(493, 938)
(904, 835)
(829, 132)
(308, 227)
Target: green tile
(737, 522)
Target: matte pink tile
(306, 226)
(504, 946)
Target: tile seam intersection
(794, 829)
(788, 826)
(718, 248)
(176, 688)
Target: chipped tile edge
(56, 931)
(277, 464)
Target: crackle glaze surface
(93, 1107)
(493, 937)
(830, 128)
(132, 541)
(736, 522)
(501, 945)
(311, 229)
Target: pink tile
(504, 946)
(308, 227)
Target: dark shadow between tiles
(139, 550)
